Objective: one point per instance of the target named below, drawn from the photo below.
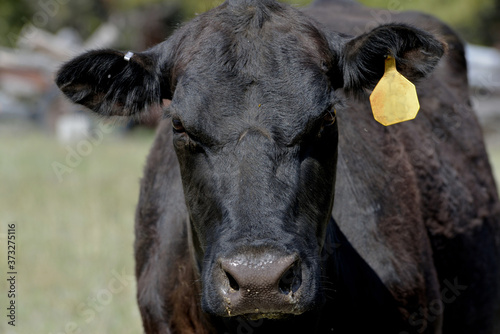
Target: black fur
(105, 82)
(416, 52)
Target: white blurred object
(483, 66)
(73, 127)
(66, 43)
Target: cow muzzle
(260, 286)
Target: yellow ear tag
(394, 99)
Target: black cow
(237, 230)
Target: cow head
(255, 86)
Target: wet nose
(260, 284)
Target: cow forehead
(241, 37)
(227, 107)
(275, 72)
(222, 92)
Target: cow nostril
(232, 281)
(291, 280)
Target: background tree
(478, 21)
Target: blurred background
(70, 182)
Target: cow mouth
(270, 316)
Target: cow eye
(329, 118)
(177, 125)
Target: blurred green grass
(75, 237)
(493, 148)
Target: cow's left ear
(362, 59)
(112, 83)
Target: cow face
(254, 88)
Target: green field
(74, 239)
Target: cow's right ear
(113, 83)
